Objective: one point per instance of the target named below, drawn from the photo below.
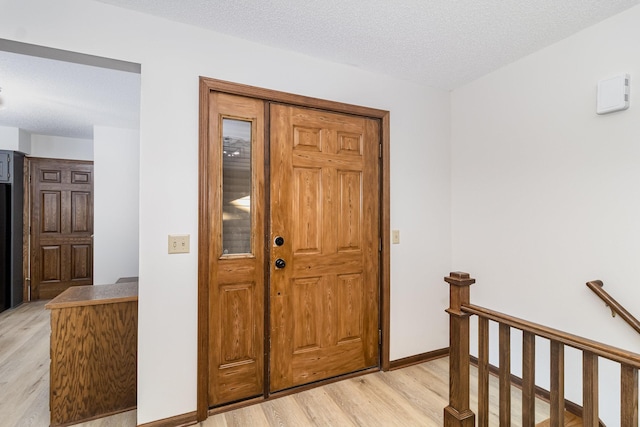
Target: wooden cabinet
(94, 335)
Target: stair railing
(458, 413)
(616, 308)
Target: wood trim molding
(418, 358)
(237, 405)
(289, 98)
(183, 420)
(267, 251)
(385, 256)
(204, 221)
(207, 85)
(26, 231)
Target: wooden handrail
(458, 413)
(597, 287)
(609, 352)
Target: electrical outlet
(178, 243)
(395, 237)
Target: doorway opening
(307, 294)
(70, 106)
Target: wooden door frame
(26, 231)
(208, 85)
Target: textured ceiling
(61, 98)
(440, 43)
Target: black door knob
(280, 263)
(279, 241)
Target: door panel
(51, 202)
(51, 259)
(307, 229)
(81, 203)
(81, 259)
(324, 202)
(236, 242)
(61, 225)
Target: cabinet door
(4, 166)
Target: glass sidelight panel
(236, 186)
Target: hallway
(412, 396)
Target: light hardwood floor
(24, 366)
(412, 396)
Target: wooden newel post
(458, 414)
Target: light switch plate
(178, 243)
(395, 237)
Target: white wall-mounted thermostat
(613, 94)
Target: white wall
(116, 198)
(24, 141)
(172, 57)
(57, 147)
(546, 194)
(9, 138)
(54, 147)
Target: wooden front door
(324, 292)
(61, 225)
(289, 254)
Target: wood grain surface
(93, 295)
(457, 414)
(235, 343)
(207, 169)
(93, 360)
(24, 366)
(62, 225)
(412, 396)
(597, 287)
(324, 197)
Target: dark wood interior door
(324, 293)
(61, 225)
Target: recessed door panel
(350, 143)
(307, 208)
(51, 263)
(307, 313)
(350, 293)
(349, 216)
(81, 208)
(51, 202)
(307, 139)
(81, 261)
(237, 308)
(50, 176)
